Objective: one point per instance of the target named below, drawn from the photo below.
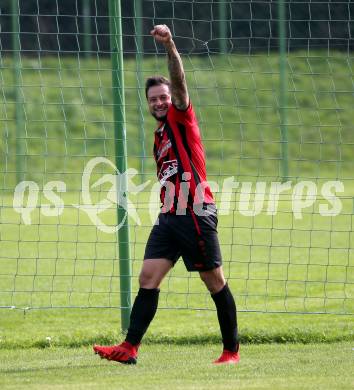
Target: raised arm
(179, 92)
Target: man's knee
(213, 279)
(148, 279)
(153, 272)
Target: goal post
(120, 140)
(283, 89)
(19, 117)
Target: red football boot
(228, 357)
(125, 352)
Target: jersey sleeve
(187, 118)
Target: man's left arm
(179, 91)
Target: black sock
(143, 311)
(226, 310)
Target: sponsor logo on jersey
(168, 169)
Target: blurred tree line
(50, 26)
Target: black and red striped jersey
(180, 157)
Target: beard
(159, 118)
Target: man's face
(159, 100)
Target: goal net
(273, 92)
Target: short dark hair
(154, 81)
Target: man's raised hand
(161, 33)
(179, 92)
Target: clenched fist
(162, 34)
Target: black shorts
(193, 237)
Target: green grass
(273, 263)
(183, 367)
(68, 111)
(82, 327)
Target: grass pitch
(185, 367)
(273, 263)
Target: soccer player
(187, 223)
